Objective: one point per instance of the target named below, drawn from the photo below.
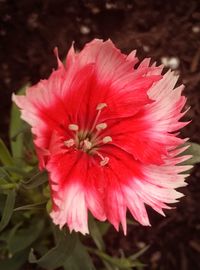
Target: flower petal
(132, 184)
(76, 177)
(71, 202)
(121, 174)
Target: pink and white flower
(106, 131)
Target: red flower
(106, 133)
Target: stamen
(101, 126)
(107, 139)
(100, 106)
(87, 144)
(69, 143)
(73, 127)
(104, 161)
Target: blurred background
(166, 31)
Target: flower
(106, 131)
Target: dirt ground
(163, 30)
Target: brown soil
(29, 30)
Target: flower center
(89, 141)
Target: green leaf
(6, 180)
(4, 175)
(79, 259)
(104, 227)
(6, 186)
(4, 235)
(139, 253)
(36, 180)
(16, 170)
(120, 263)
(13, 231)
(5, 156)
(49, 206)
(16, 126)
(193, 150)
(55, 257)
(15, 262)
(25, 236)
(97, 229)
(32, 206)
(96, 234)
(8, 209)
(132, 222)
(2, 182)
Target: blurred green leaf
(103, 227)
(29, 152)
(15, 262)
(46, 191)
(25, 236)
(49, 206)
(6, 180)
(55, 257)
(36, 180)
(30, 206)
(4, 236)
(16, 126)
(2, 182)
(193, 150)
(4, 174)
(139, 253)
(15, 170)
(6, 186)
(97, 230)
(95, 233)
(13, 230)
(8, 209)
(120, 263)
(108, 266)
(79, 259)
(5, 156)
(132, 222)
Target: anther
(69, 143)
(101, 126)
(100, 106)
(87, 144)
(104, 161)
(73, 127)
(107, 139)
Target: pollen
(104, 161)
(87, 144)
(100, 106)
(90, 140)
(69, 143)
(101, 126)
(107, 139)
(73, 127)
